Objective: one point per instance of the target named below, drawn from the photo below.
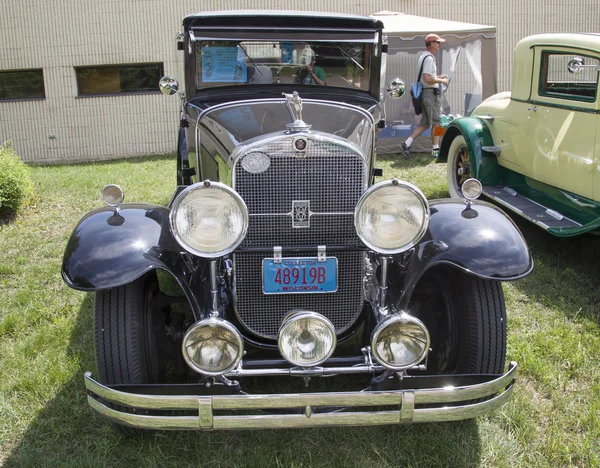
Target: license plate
(299, 275)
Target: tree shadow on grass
(68, 433)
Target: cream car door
(563, 115)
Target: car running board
(544, 217)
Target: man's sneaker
(405, 150)
(435, 153)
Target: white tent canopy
(468, 57)
(410, 26)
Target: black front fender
(478, 239)
(107, 250)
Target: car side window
(569, 76)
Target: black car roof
(280, 18)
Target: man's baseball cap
(434, 37)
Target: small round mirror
(396, 88)
(575, 65)
(168, 85)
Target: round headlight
(400, 342)
(391, 216)
(209, 219)
(306, 339)
(212, 346)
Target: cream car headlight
(400, 342)
(306, 339)
(391, 216)
(212, 346)
(209, 219)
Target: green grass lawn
(46, 344)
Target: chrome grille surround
(332, 176)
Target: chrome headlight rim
(394, 183)
(215, 322)
(391, 320)
(303, 314)
(200, 186)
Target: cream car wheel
(459, 166)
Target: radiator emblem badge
(300, 144)
(300, 213)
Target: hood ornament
(294, 104)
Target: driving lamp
(391, 216)
(209, 219)
(212, 346)
(306, 339)
(400, 342)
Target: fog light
(212, 346)
(306, 339)
(400, 342)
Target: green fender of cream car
(484, 164)
(485, 168)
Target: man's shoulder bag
(416, 90)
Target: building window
(118, 79)
(22, 84)
(559, 79)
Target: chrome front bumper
(204, 407)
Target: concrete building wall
(57, 36)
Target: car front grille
(329, 176)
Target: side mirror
(575, 65)
(396, 88)
(168, 85)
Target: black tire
(466, 318)
(458, 167)
(127, 333)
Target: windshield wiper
(348, 56)
(248, 57)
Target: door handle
(534, 109)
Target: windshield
(230, 63)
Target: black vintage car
(282, 287)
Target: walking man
(431, 97)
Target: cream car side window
(569, 76)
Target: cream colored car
(535, 149)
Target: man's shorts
(432, 108)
